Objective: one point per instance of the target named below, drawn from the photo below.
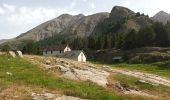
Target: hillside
(78, 25)
(161, 17)
(120, 20)
(39, 79)
(2, 41)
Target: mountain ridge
(119, 20)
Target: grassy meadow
(161, 68)
(25, 73)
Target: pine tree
(161, 34)
(145, 37)
(6, 48)
(130, 40)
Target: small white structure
(56, 50)
(78, 55)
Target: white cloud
(73, 4)
(22, 19)
(32, 16)
(84, 0)
(2, 11)
(126, 3)
(6, 8)
(9, 7)
(93, 6)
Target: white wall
(67, 49)
(82, 57)
(54, 53)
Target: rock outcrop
(73, 69)
(12, 54)
(119, 13)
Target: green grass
(134, 82)
(31, 75)
(160, 68)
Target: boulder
(135, 60)
(8, 73)
(19, 54)
(11, 53)
(48, 62)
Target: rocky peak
(119, 12)
(161, 16)
(64, 16)
(162, 13)
(80, 15)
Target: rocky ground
(97, 74)
(72, 69)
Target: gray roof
(56, 48)
(72, 54)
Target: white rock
(63, 69)
(11, 53)
(45, 96)
(49, 95)
(8, 73)
(69, 98)
(48, 62)
(94, 75)
(19, 53)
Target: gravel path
(153, 78)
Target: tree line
(155, 35)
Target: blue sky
(19, 16)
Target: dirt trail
(152, 78)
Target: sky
(19, 16)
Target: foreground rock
(69, 98)
(50, 96)
(12, 54)
(45, 96)
(19, 54)
(94, 75)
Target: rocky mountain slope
(161, 17)
(64, 24)
(50, 28)
(120, 20)
(3, 40)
